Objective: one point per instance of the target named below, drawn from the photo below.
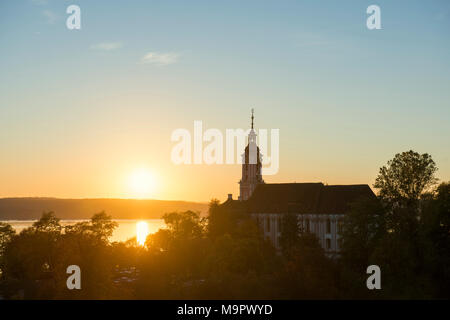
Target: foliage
(35, 260)
(290, 234)
(6, 234)
(363, 228)
(406, 176)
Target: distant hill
(32, 208)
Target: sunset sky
(81, 111)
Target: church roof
(337, 198)
(234, 205)
(314, 198)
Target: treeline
(405, 231)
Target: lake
(125, 230)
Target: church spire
(251, 165)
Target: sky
(81, 111)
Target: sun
(142, 183)
(141, 232)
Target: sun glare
(141, 232)
(142, 183)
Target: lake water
(125, 230)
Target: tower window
(328, 242)
(307, 225)
(328, 226)
(268, 224)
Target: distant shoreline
(28, 208)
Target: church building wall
(324, 226)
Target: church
(319, 208)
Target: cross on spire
(253, 110)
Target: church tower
(251, 167)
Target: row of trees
(33, 263)
(406, 231)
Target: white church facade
(319, 208)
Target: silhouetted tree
(290, 233)
(435, 237)
(220, 220)
(363, 228)
(7, 232)
(406, 177)
(48, 223)
(36, 260)
(307, 273)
